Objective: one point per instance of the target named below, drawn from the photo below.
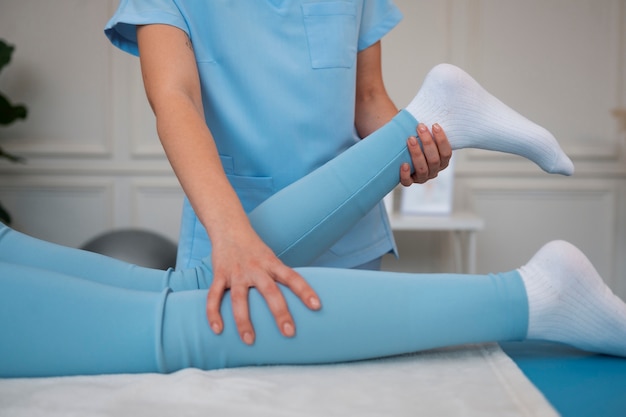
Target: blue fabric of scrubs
(278, 85)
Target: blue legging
(67, 312)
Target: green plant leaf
(6, 51)
(4, 216)
(10, 113)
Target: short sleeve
(378, 18)
(121, 30)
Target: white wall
(94, 161)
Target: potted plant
(9, 113)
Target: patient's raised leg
(303, 220)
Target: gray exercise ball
(136, 246)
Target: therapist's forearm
(193, 155)
(373, 106)
(173, 89)
(373, 113)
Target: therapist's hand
(429, 159)
(241, 262)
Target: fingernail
(215, 327)
(314, 302)
(288, 329)
(248, 338)
(422, 127)
(436, 127)
(412, 141)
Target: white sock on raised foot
(569, 303)
(473, 118)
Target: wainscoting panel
(157, 205)
(524, 215)
(64, 210)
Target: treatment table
(473, 380)
(576, 383)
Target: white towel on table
(474, 380)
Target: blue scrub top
(278, 85)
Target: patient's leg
(303, 220)
(54, 324)
(558, 296)
(365, 314)
(569, 302)
(18, 248)
(58, 325)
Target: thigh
(20, 249)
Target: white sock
(569, 303)
(473, 118)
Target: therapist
(250, 96)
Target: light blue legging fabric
(66, 312)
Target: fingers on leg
(278, 307)
(276, 300)
(241, 312)
(299, 286)
(214, 301)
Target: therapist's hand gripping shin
(430, 154)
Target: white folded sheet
(475, 380)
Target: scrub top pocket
(251, 190)
(331, 29)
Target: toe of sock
(563, 165)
